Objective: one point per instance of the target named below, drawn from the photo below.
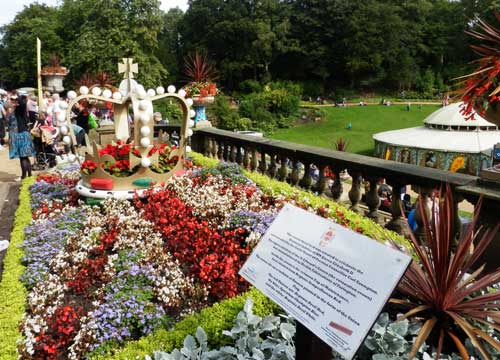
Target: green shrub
(290, 87)
(170, 110)
(281, 102)
(250, 86)
(224, 117)
(12, 291)
(312, 89)
(213, 320)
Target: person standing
(20, 142)
(2, 123)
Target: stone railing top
(394, 172)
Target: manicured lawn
(365, 121)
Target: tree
(242, 37)
(169, 45)
(18, 51)
(112, 30)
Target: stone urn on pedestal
(203, 95)
(53, 75)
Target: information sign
(330, 278)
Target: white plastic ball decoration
(145, 142)
(191, 123)
(138, 88)
(84, 90)
(61, 117)
(146, 162)
(67, 140)
(144, 118)
(171, 89)
(96, 91)
(63, 105)
(189, 132)
(145, 130)
(188, 148)
(182, 93)
(71, 94)
(160, 90)
(151, 92)
(143, 105)
(64, 130)
(71, 157)
(107, 93)
(189, 102)
(192, 113)
(117, 95)
(141, 94)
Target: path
(9, 196)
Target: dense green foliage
(12, 291)
(329, 46)
(365, 121)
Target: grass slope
(365, 121)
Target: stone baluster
(306, 178)
(283, 171)
(355, 192)
(373, 201)
(246, 158)
(220, 150)
(322, 181)
(232, 153)
(239, 155)
(273, 167)
(262, 164)
(226, 151)
(337, 188)
(294, 177)
(206, 146)
(398, 223)
(213, 148)
(254, 162)
(425, 199)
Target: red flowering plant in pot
(480, 90)
(446, 290)
(201, 75)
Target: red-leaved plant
(443, 289)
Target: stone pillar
(337, 188)
(425, 198)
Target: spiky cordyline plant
(443, 290)
(198, 68)
(481, 89)
(341, 144)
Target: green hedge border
(12, 292)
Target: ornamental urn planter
(199, 105)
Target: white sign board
(330, 278)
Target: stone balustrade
(308, 167)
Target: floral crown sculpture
(128, 164)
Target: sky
(9, 8)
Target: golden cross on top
(128, 68)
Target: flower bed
(124, 279)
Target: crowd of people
(22, 120)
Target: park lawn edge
(12, 291)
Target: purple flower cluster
(230, 171)
(43, 192)
(44, 240)
(128, 308)
(257, 222)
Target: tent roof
(441, 140)
(450, 116)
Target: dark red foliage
(211, 256)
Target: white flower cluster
(216, 200)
